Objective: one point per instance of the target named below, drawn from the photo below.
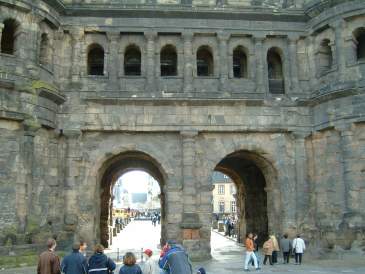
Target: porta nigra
(270, 93)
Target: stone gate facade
(271, 93)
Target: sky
(137, 182)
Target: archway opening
(131, 190)
(275, 71)
(247, 171)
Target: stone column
(340, 57)
(302, 185)
(352, 177)
(188, 61)
(260, 65)
(57, 60)
(311, 61)
(150, 73)
(73, 156)
(77, 36)
(1, 30)
(114, 59)
(190, 220)
(293, 56)
(25, 188)
(223, 55)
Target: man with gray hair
(74, 263)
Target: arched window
(168, 61)
(239, 63)
(325, 58)
(204, 62)
(95, 60)
(359, 36)
(44, 51)
(132, 61)
(275, 71)
(8, 36)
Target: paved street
(227, 254)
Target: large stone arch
(111, 170)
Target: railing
(276, 86)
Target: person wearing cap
(149, 266)
(74, 263)
(175, 260)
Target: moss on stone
(41, 84)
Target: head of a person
(99, 248)
(255, 236)
(76, 247)
(171, 243)
(298, 235)
(286, 235)
(148, 252)
(83, 246)
(201, 270)
(250, 235)
(51, 244)
(129, 259)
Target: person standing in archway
(250, 255)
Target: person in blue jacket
(175, 260)
(99, 263)
(74, 263)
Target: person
(74, 263)
(83, 247)
(276, 249)
(99, 263)
(175, 260)
(268, 248)
(250, 255)
(298, 247)
(256, 249)
(49, 262)
(130, 266)
(201, 270)
(149, 266)
(286, 246)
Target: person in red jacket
(250, 255)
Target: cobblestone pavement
(227, 255)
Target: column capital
(293, 38)
(150, 35)
(337, 24)
(59, 34)
(72, 133)
(77, 34)
(188, 35)
(113, 36)
(223, 36)
(189, 133)
(301, 134)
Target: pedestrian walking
(250, 255)
(298, 248)
(130, 266)
(49, 262)
(286, 246)
(99, 263)
(276, 249)
(175, 260)
(256, 250)
(268, 248)
(74, 263)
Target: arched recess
(111, 170)
(275, 71)
(132, 61)
(324, 56)
(168, 61)
(255, 179)
(359, 36)
(204, 61)
(240, 62)
(44, 50)
(8, 37)
(95, 60)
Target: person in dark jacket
(130, 266)
(175, 260)
(99, 263)
(49, 262)
(74, 263)
(286, 247)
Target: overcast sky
(137, 181)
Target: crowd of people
(271, 248)
(173, 260)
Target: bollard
(141, 254)
(118, 254)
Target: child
(130, 266)
(149, 266)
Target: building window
(168, 61)
(324, 57)
(8, 36)
(275, 71)
(239, 63)
(233, 207)
(204, 62)
(44, 57)
(359, 36)
(221, 207)
(221, 189)
(233, 189)
(95, 60)
(132, 61)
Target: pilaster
(293, 56)
(223, 53)
(340, 57)
(77, 36)
(188, 61)
(114, 59)
(260, 64)
(150, 73)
